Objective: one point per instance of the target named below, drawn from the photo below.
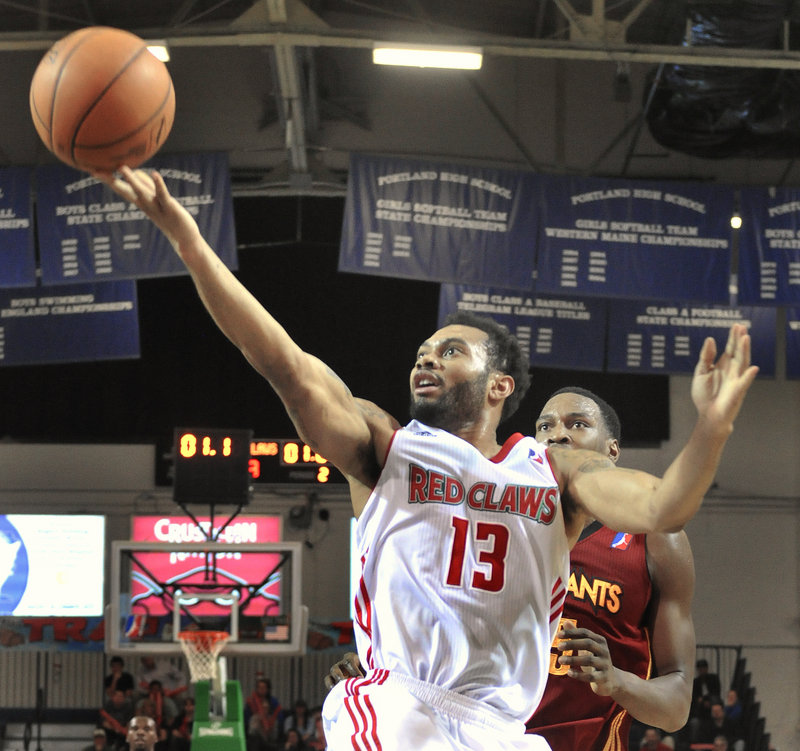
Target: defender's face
(575, 421)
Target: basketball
(100, 99)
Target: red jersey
(609, 593)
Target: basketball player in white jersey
(464, 543)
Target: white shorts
(392, 712)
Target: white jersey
(465, 563)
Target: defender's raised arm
(634, 501)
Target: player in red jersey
(627, 645)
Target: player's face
(575, 421)
(450, 377)
(142, 733)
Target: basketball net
(202, 648)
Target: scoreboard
(223, 465)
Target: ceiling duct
(720, 112)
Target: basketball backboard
(250, 590)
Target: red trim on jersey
(362, 713)
(385, 458)
(364, 611)
(511, 441)
(558, 596)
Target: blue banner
(17, 255)
(769, 247)
(793, 343)
(653, 338)
(69, 323)
(441, 222)
(88, 233)
(634, 239)
(554, 332)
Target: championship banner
(793, 343)
(17, 254)
(666, 339)
(69, 323)
(88, 233)
(614, 238)
(769, 246)
(553, 332)
(441, 222)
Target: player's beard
(456, 408)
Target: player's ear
(612, 446)
(501, 386)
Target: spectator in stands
(165, 709)
(299, 719)
(99, 741)
(318, 742)
(142, 735)
(118, 678)
(115, 714)
(720, 743)
(293, 741)
(262, 718)
(173, 680)
(181, 735)
(651, 741)
(705, 687)
(733, 707)
(716, 725)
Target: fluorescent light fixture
(158, 48)
(422, 56)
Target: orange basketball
(100, 99)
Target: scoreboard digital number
(212, 465)
(280, 460)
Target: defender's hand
(589, 661)
(719, 388)
(348, 667)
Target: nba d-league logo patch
(534, 457)
(621, 541)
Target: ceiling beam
(727, 57)
(597, 27)
(291, 94)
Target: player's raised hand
(719, 385)
(148, 192)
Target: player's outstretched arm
(635, 501)
(664, 700)
(320, 405)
